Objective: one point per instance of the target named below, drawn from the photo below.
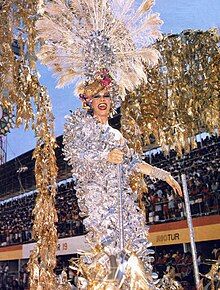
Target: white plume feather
(65, 31)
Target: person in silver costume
(95, 151)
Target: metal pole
(19, 269)
(191, 230)
(121, 222)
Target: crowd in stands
(200, 166)
(179, 265)
(70, 223)
(15, 221)
(11, 281)
(16, 216)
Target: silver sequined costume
(87, 144)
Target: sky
(178, 15)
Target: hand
(115, 156)
(174, 184)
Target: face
(101, 104)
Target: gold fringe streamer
(21, 93)
(181, 97)
(43, 259)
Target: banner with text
(65, 246)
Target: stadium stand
(17, 199)
(200, 165)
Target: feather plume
(84, 36)
(66, 79)
(146, 5)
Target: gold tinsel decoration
(21, 92)
(181, 97)
(43, 260)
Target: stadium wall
(206, 229)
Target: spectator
(165, 207)
(171, 205)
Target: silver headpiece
(82, 38)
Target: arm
(158, 173)
(116, 156)
(152, 171)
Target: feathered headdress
(81, 38)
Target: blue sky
(177, 15)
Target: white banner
(66, 246)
